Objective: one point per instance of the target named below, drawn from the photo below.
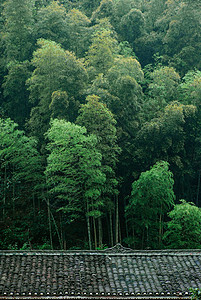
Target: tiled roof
(117, 273)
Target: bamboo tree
(98, 120)
(74, 176)
(152, 196)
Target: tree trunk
(160, 231)
(100, 233)
(57, 230)
(89, 232)
(198, 190)
(133, 231)
(13, 198)
(95, 234)
(34, 206)
(4, 195)
(117, 221)
(49, 221)
(119, 233)
(142, 245)
(88, 225)
(111, 229)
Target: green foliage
(98, 120)
(79, 33)
(59, 105)
(164, 84)
(20, 180)
(164, 137)
(184, 229)
(19, 153)
(55, 70)
(18, 29)
(132, 25)
(15, 91)
(181, 36)
(89, 6)
(196, 294)
(91, 52)
(151, 197)
(104, 10)
(74, 178)
(51, 23)
(190, 88)
(101, 53)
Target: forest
(100, 124)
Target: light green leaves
(73, 173)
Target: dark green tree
(18, 30)
(16, 97)
(132, 25)
(184, 228)
(151, 198)
(51, 23)
(78, 31)
(20, 176)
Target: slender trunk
(89, 233)
(119, 233)
(147, 228)
(142, 246)
(117, 221)
(198, 190)
(13, 198)
(100, 233)
(34, 206)
(88, 227)
(126, 223)
(57, 230)
(160, 230)
(61, 230)
(4, 195)
(55, 224)
(95, 234)
(133, 232)
(111, 229)
(49, 221)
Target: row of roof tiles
(110, 274)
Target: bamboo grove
(100, 124)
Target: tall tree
(55, 70)
(20, 173)
(18, 31)
(73, 173)
(51, 23)
(98, 120)
(171, 137)
(182, 39)
(102, 50)
(16, 97)
(79, 32)
(132, 25)
(151, 197)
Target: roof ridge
(127, 251)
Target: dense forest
(100, 124)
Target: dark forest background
(100, 124)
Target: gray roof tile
(115, 273)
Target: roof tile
(100, 273)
